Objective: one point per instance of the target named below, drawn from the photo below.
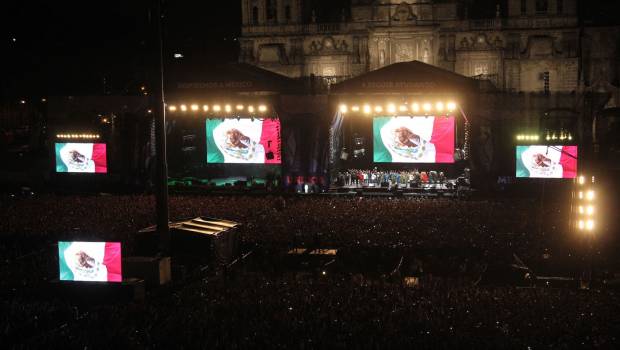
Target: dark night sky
(69, 47)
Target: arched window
(272, 12)
(255, 15)
(523, 7)
(542, 6)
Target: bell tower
(531, 8)
(270, 12)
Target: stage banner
(541, 161)
(81, 158)
(90, 261)
(413, 139)
(249, 141)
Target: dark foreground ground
(468, 293)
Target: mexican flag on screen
(81, 158)
(413, 139)
(243, 141)
(542, 161)
(90, 261)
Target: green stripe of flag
(522, 171)
(380, 153)
(213, 153)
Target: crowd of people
(268, 306)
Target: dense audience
(261, 304)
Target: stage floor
(448, 189)
(448, 185)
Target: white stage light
(439, 106)
(427, 107)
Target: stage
(448, 189)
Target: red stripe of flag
(443, 139)
(568, 160)
(270, 139)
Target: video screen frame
(414, 139)
(81, 158)
(243, 141)
(546, 161)
(84, 261)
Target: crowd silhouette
(269, 306)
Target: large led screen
(249, 141)
(90, 261)
(81, 158)
(413, 139)
(547, 161)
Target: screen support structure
(159, 113)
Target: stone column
(262, 12)
(245, 12)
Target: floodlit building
(559, 73)
(530, 46)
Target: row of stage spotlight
(216, 108)
(528, 137)
(77, 136)
(562, 136)
(426, 108)
(549, 137)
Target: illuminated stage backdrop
(413, 139)
(245, 141)
(81, 158)
(90, 261)
(539, 161)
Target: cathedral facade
(530, 46)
